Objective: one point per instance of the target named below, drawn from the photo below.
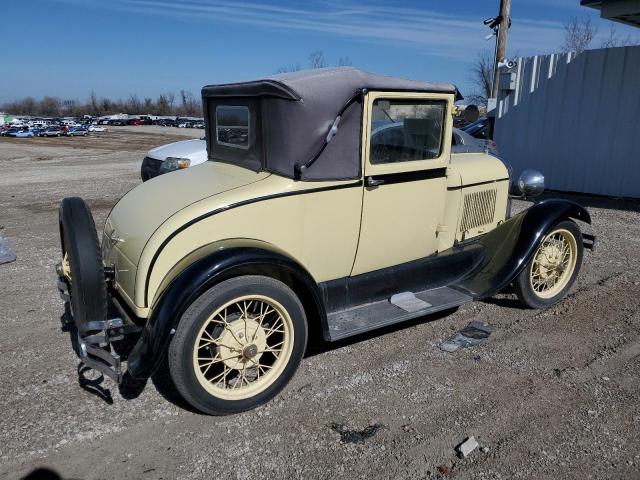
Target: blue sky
(67, 48)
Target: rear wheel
(238, 345)
(554, 267)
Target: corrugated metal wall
(576, 118)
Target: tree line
(184, 104)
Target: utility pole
(501, 43)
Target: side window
(232, 126)
(406, 130)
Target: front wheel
(238, 345)
(554, 267)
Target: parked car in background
(174, 156)
(7, 131)
(24, 134)
(481, 128)
(462, 142)
(50, 132)
(459, 122)
(13, 131)
(76, 132)
(136, 121)
(96, 129)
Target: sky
(68, 48)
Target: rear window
(232, 126)
(234, 131)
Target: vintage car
(309, 218)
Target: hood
(141, 211)
(194, 149)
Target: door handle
(373, 182)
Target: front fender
(510, 246)
(234, 259)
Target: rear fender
(198, 273)
(510, 246)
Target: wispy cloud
(431, 32)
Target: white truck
(173, 156)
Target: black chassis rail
(95, 337)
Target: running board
(371, 316)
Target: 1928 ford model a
(330, 200)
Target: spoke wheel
(553, 263)
(553, 269)
(243, 347)
(238, 344)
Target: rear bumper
(95, 338)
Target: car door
(406, 151)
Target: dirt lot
(551, 394)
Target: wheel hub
(242, 343)
(250, 351)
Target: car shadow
(505, 302)
(132, 388)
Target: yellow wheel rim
(553, 263)
(243, 347)
(66, 267)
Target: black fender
(510, 246)
(240, 257)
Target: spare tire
(79, 240)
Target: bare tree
(171, 98)
(133, 105)
(481, 77)
(345, 62)
(93, 103)
(316, 59)
(190, 107)
(578, 34)
(147, 105)
(292, 67)
(614, 40)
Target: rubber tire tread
(181, 348)
(79, 239)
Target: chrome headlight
(531, 183)
(174, 163)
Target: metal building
(576, 118)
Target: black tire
(79, 241)
(181, 349)
(522, 285)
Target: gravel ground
(551, 394)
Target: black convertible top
(306, 84)
(295, 111)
